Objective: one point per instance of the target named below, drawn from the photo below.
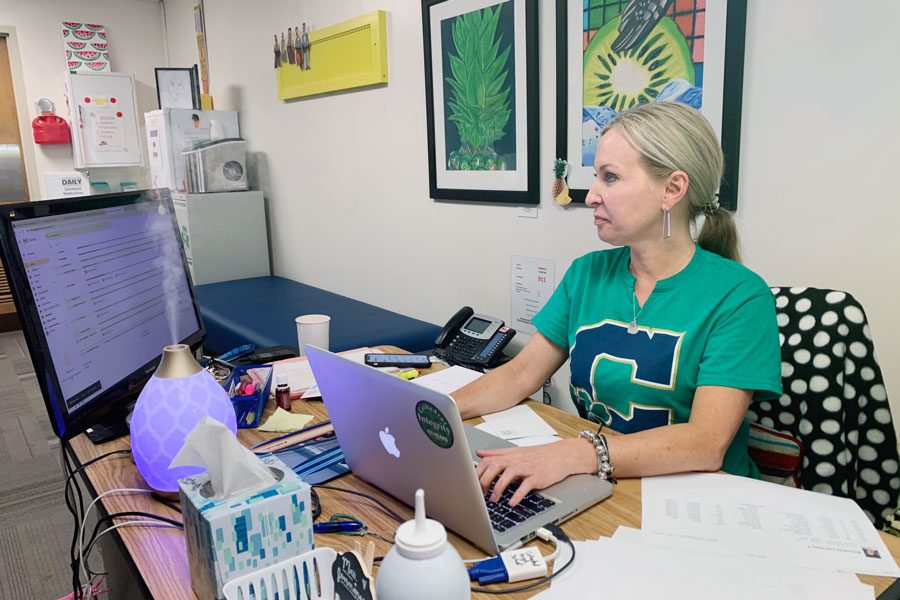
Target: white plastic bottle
(422, 564)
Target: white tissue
(233, 469)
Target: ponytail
(719, 234)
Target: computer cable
(380, 504)
(166, 503)
(76, 509)
(82, 565)
(555, 534)
(88, 512)
(87, 552)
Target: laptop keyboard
(503, 516)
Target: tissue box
(232, 536)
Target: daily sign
(66, 185)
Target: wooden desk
(160, 555)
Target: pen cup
(312, 329)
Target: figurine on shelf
(277, 52)
(298, 47)
(304, 45)
(290, 47)
(283, 49)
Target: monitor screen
(101, 285)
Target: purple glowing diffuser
(179, 394)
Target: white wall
(346, 175)
(135, 29)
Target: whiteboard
(103, 112)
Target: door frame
(22, 111)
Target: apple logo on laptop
(389, 442)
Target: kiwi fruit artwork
(656, 68)
(637, 75)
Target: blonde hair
(671, 136)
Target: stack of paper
(751, 518)
(615, 569)
(707, 535)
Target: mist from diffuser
(176, 398)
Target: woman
(669, 340)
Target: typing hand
(536, 467)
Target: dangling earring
(666, 224)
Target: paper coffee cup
(312, 329)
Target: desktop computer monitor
(101, 285)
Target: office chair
(834, 400)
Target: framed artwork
(178, 87)
(481, 86)
(614, 54)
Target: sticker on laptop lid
(434, 424)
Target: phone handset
(473, 340)
(452, 327)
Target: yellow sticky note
(282, 420)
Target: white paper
(537, 440)
(637, 571)
(518, 422)
(449, 380)
(300, 375)
(750, 518)
(108, 127)
(531, 285)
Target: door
(13, 184)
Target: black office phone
(472, 340)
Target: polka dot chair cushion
(834, 400)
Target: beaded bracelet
(605, 468)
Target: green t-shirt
(713, 323)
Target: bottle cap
(281, 379)
(420, 538)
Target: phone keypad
(463, 345)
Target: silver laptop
(401, 436)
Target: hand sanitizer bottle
(422, 564)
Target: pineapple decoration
(560, 189)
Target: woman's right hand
(535, 467)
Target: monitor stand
(112, 426)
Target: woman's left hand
(536, 467)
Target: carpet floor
(35, 527)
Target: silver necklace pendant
(632, 327)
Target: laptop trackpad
(481, 440)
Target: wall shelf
(346, 55)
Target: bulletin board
(105, 127)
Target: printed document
(745, 517)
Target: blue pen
(338, 526)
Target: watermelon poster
(86, 46)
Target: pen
(338, 527)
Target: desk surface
(160, 555)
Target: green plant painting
(479, 91)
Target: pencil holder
(248, 408)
